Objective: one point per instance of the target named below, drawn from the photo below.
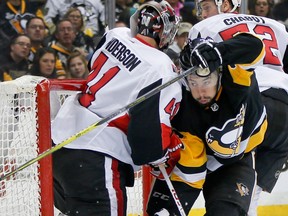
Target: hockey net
(27, 106)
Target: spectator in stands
(92, 10)
(188, 12)
(82, 40)
(15, 63)
(35, 30)
(177, 6)
(44, 63)
(174, 49)
(13, 17)
(65, 35)
(279, 12)
(120, 24)
(123, 11)
(77, 66)
(260, 8)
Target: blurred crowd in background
(56, 38)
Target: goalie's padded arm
(144, 130)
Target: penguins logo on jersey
(242, 189)
(19, 22)
(225, 141)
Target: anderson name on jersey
(123, 54)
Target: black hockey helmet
(151, 17)
(185, 62)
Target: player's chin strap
(172, 190)
(102, 121)
(219, 4)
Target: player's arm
(244, 48)
(149, 131)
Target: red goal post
(27, 107)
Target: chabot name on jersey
(122, 54)
(232, 20)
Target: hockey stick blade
(102, 121)
(172, 190)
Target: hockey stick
(102, 121)
(172, 190)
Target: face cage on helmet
(169, 28)
(165, 11)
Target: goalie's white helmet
(235, 3)
(149, 19)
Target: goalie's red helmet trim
(151, 17)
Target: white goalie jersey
(273, 34)
(121, 69)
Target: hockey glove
(184, 58)
(206, 55)
(170, 158)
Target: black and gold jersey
(232, 124)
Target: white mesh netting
(20, 194)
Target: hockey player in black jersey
(220, 22)
(221, 121)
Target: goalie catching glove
(203, 53)
(170, 158)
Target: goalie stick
(102, 121)
(172, 189)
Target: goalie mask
(153, 17)
(235, 3)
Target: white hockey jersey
(92, 11)
(122, 69)
(273, 34)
